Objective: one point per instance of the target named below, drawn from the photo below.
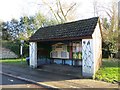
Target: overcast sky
(16, 8)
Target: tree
(109, 24)
(28, 27)
(95, 6)
(4, 31)
(31, 24)
(11, 29)
(42, 21)
(22, 29)
(110, 29)
(62, 13)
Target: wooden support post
(70, 48)
(72, 62)
(62, 61)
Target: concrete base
(87, 75)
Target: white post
(21, 50)
(87, 58)
(33, 54)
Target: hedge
(15, 47)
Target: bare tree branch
(70, 9)
(58, 12)
(61, 10)
(51, 10)
(59, 16)
(108, 14)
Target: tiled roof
(82, 28)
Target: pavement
(75, 71)
(52, 79)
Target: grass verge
(18, 62)
(109, 71)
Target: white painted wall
(87, 58)
(91, 61)
(97, 47)
(33, 54)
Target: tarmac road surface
(10, 82)
(54, 80)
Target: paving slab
(81, 83)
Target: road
(34, 74)
(10, 82)
(49, 79)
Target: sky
(119, 8)
(16, 8)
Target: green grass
(109, 71)
(17, 62)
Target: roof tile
(67, 30)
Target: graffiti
(87, 56)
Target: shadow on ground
(43, 73)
